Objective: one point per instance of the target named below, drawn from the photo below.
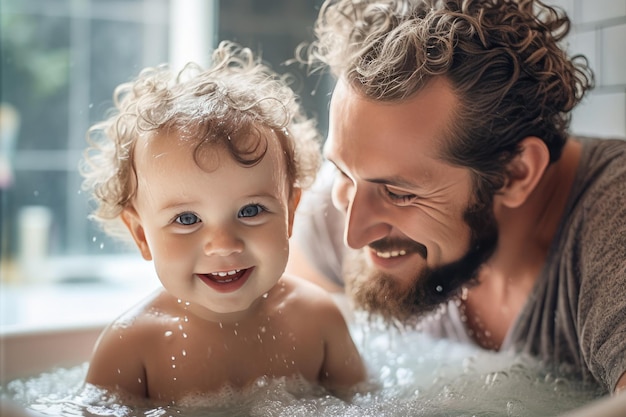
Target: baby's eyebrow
(175, 205)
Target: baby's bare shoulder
(148, 317)
(305, 295)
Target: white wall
(599, 32)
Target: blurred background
(59, 63)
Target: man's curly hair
(503, 59)
(236, 103)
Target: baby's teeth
(223, 274)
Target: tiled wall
(599, 32)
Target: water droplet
(184, 335)
(464, 293)
(262, 329)
(262, 382)
(93, 239)
(184, 352)
(235, 331)
(221, 325)
(439, 288)
(179, 301)
(90, 105)
(101, 246)
(266, 295)
(168, 333)
(561, 384)
(173, 358)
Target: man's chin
(405, 299)
(385, 296)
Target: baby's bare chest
(195, 358)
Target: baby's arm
(115, 363)
(343, 367)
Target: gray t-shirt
(576, 312)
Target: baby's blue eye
(250, 210)
(187, 219)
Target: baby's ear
(294, 200)
(133, 222)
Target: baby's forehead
(245, 147)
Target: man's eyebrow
(394, 181)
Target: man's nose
(365, 219)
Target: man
(457, 187)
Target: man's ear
(524, 172)
(294, 200)
(133, 223)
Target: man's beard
(381, 294)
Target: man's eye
(251, 210)
(400, 199)
(187, 219)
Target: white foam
(409, 374)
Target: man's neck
(525, 236)
(526, 232)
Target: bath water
(410, 375)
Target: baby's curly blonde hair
(237, 98)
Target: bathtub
(27, 351)
(54, 323)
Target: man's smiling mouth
(391, 254)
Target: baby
(205, 170)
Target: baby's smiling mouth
(224, 277)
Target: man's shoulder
(601, 176)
